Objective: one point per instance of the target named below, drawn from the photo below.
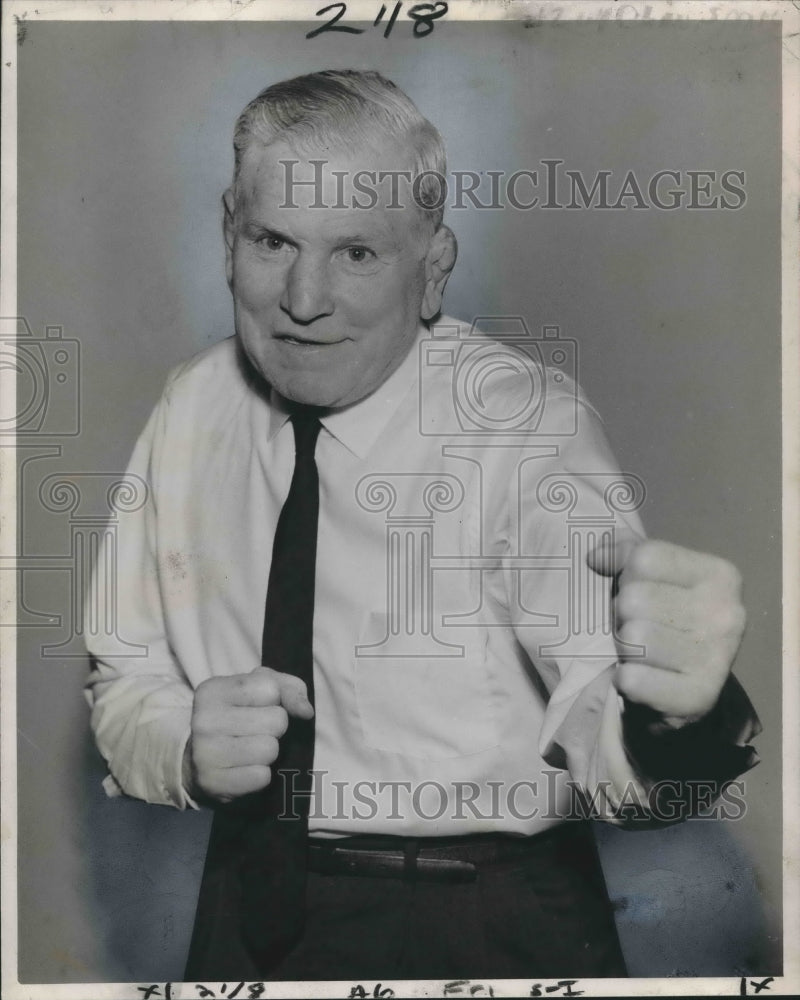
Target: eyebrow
(379, 240)
(254, 228)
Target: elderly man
(374, 579)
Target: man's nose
(307, 293)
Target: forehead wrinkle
(270, 158)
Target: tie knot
(306, 431)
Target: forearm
(142, 723)
(141, 705)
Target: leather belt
(426, 859)
(326, 860)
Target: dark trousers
(544, 914)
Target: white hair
(346, 109)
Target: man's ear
(439, 262)
(228, 231)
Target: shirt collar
(358, 426)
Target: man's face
(327, 300)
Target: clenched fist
(237, 723)
(684, 608)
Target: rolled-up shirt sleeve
(141, 701)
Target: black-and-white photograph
(399, 454)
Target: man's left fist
(684, 608)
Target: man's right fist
(236, 725)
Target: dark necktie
(273, 870)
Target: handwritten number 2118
(422, 14)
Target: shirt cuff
(185, 800)
(161, 781)
(714, 749)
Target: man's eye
(358, 254)
(269, 241)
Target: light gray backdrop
(124, 152)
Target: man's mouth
(287, 338)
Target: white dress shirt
(463, 655)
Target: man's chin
(317, 399)
(309, 392)
(324, 397)
(297, 387)
(337, 386)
